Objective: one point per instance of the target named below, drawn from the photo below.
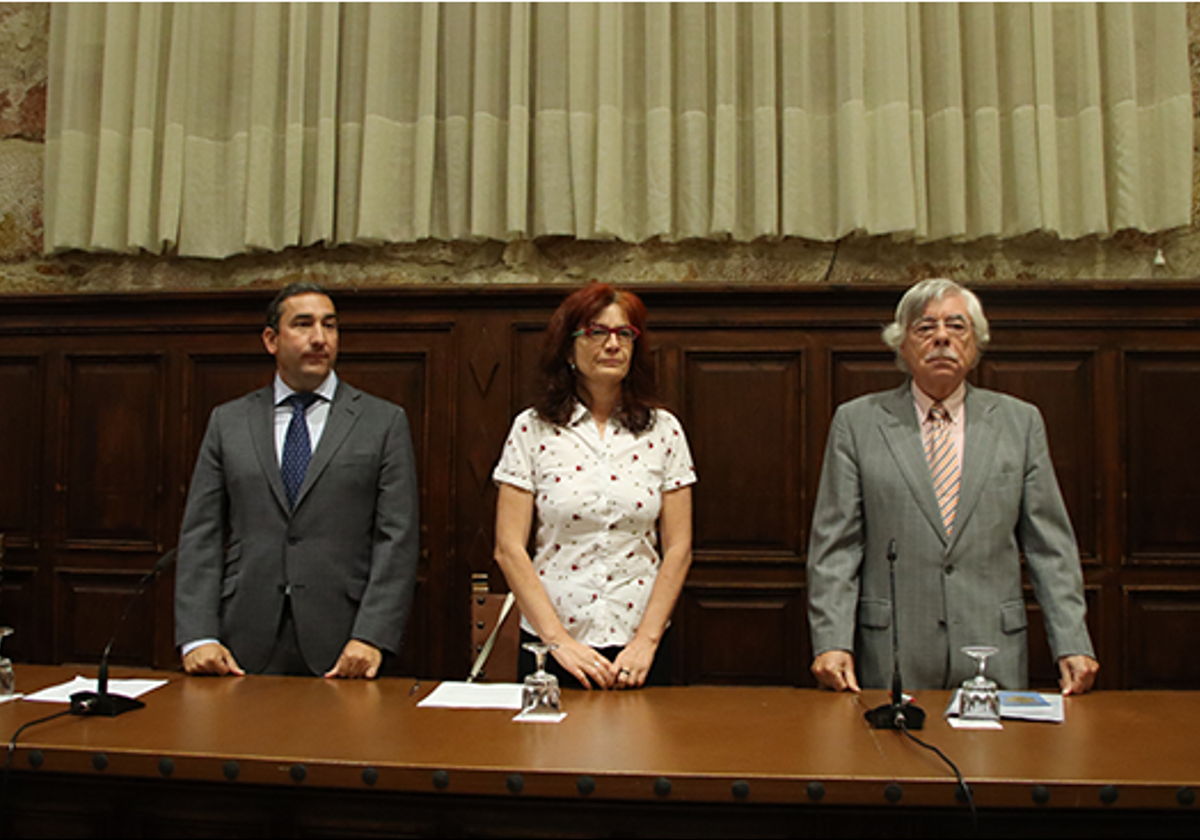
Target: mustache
(943, 353)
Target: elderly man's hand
(1077, 673)
(835, 669)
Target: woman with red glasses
(607, 475)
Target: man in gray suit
(959, 543)
(298, 550)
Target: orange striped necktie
(943, 464)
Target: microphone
(896, 714)
(100, 703)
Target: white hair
(912, 306)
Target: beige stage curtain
(216, 129)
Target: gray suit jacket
(348, 550)
(950, 592)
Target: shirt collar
(325, 390)
(953, 403)
(581, 412)
(578, 414)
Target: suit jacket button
(949, 570)
(293, 540)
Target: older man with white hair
(959, 480)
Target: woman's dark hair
(558, 395)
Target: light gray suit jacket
(348, 550)
(950, 591)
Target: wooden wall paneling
(21, 425)
(1113, 369)
(410, 365)
(743, 416)
(21, 485)
(1061, 384)
(90, 603)
(110, 518)
(857, 372)
(1162, 624)
(19, 608)
(741, 402)
(1162, 450)
(744, 634)
(112, 452)
(489, 363)
(1111, 479)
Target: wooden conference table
(278, 756)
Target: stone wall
(24, 29)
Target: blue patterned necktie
(297, 450)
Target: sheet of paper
(464, 695)
(959, 723)
(62, 693)
(8, 697)
(539, 717)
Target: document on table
(1014, 705)
(464, 695)
(1032, 705)
(62, 693)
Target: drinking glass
(979, 698)
(541, 695)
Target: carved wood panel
(744, 635)
(89, 609)
(743, 419)
(21, 425)
(1162, 624)
(1163, 450)
(111, 469)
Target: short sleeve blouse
(597, 500)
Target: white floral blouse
(597, 501)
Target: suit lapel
(902, 433)
(979, 451)
(343, 414)
(262, 433)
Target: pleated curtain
(216, 129)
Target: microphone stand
(100, 703)
(896, 714)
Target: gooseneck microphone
(896, 714)
(100, 703)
